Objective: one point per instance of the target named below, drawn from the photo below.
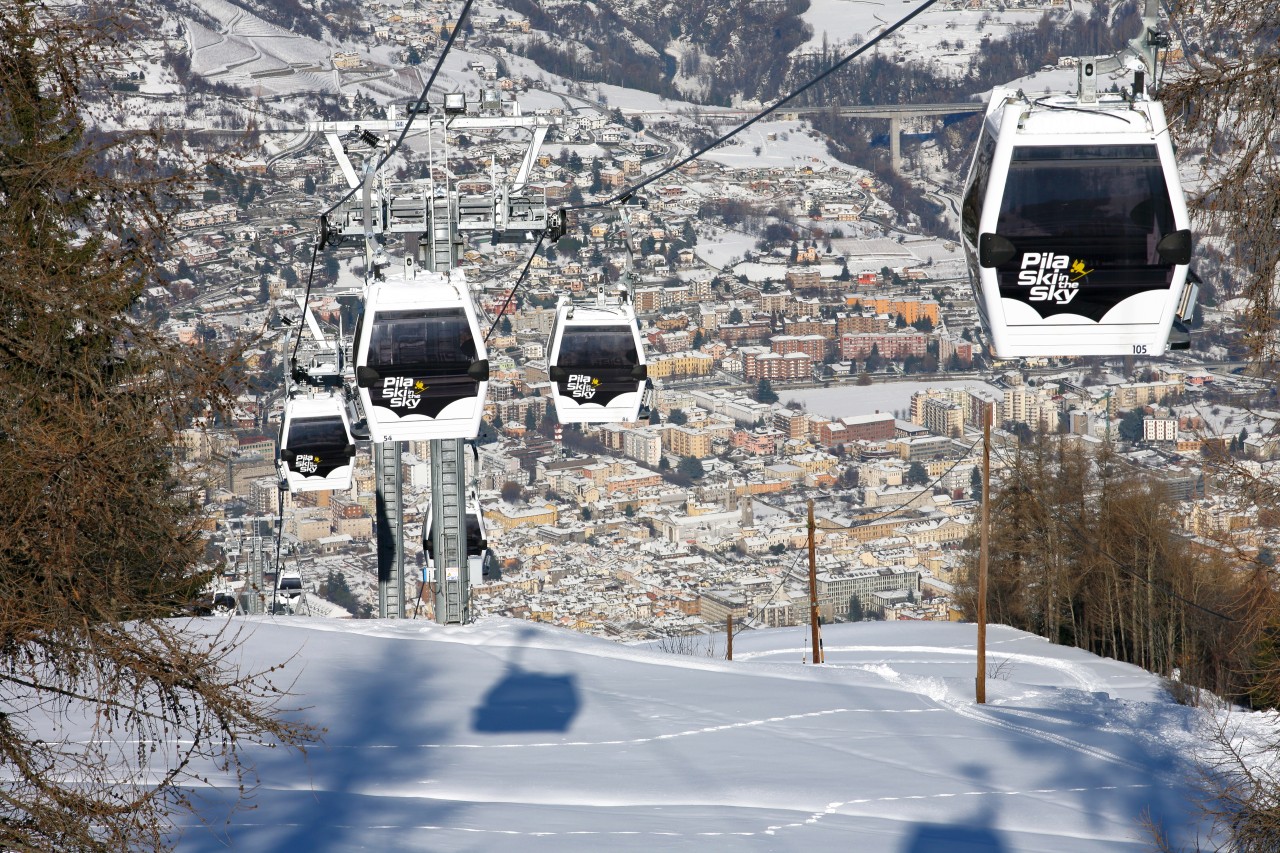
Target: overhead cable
(626, 194)
(417, 107)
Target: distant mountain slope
(340, 18)
(510, 736)
(714, 49)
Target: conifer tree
(99, 544)
(1222, 107)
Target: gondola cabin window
(318, 434)
(429, 343)
(976, 196)
(475, 536)
(589, 348)
(1106, 204)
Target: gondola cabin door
(482, 567)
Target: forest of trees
(1088, 552)
(745, 44)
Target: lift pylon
(438, 215)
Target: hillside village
(755, 285)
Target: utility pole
(728, 655)
(983, 553)
(815, 632)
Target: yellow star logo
(418, 386)
(1077, 267)
(315, 458)
(595, 381)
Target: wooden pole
(816, 638)
(983, 554)
(728, 655)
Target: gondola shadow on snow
(954, 838)
(976, 834)
(527, 701)
(357, 788)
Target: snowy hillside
(511, 736)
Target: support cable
(864, 523)
(306, 301)
(414, 111)
(417, 107)
(781, 580)
(927, 487)
(421, 589)
(625, 195)
(502, 312)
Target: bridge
(895, 113)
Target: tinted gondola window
(473, 535)
(1106, 203)
(317, 432)
(428, 342)
(973, 200)
(587, 347)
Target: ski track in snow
(835, 808)
(744, 724)
(1076, 673)
(936, 690)
(980, 715)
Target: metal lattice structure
(439, 216)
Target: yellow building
(681, 364)
(911, 309)
(505, 517)
(687, 441)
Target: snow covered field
(844, 401)
(512, 736)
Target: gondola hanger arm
(1140, 53)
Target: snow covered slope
(510, 736)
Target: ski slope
(512, 736)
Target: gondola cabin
(290, 585)
(596, 365)
(482, 567)
(316, 448)
(421, 366)
(1075, 227)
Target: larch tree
(1224, 108)
(110, 706)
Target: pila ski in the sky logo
(403, 392)
(1052, 278)
(582, 387)
(306, 463)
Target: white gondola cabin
(316, 447)
(421, 366)
(482, 567)
(596, 364)
(290, 584)
(1075, 227)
